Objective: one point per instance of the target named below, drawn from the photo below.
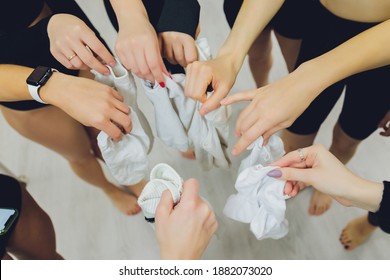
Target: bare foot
(319, 203)
(137, 188)
(189, 154)
(356, 233)
(125, 202)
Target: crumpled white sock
(260, 199)
(168, 125)
(127, 159)
(162, 177)
(124, 83)
(263, 155)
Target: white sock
(127, 159)
(162, 177)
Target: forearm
(13, 82)
(368, 50)
(126, 10)
(365, 194)
(253, 17)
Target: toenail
(346, 247)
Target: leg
(71, 141)
(290, 50)
(260, 58)
(33, 237)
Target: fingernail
(238, 134)
(346, 247)
(162, 84)
(276, 173)
(234, 152)
(112, 63)
(106, 73)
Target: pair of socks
(260, 201)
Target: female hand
(138, 49)
(184, 231)
(220, 73)
(75, 45)
(89, 102)
(273, 107)
(316, 166)
(178, 48)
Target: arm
(184, 231)
(327, 174)
(89, 102)
(221, 72)
(137, 45)
(278, 105)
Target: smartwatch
(37, 79)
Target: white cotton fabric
(260, 201)
(127, 159)
(162, 177)
(179, 124)
(124, 83)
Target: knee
(261, 49)
(342, 143)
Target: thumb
(165, 206)
(215, 99)
(291, 174)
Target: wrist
(49, 92)
(366, 194)
(234, 59)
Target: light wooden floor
(89, 227)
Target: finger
(178, 52)
(244, 124)
(121, 107)
(247, 138)
(123, 120)
(240, 96)
(140, 67)
(383, 122)
(214, 101)
(164, 207)
(292, 158)
(63, 60)
(153, 62)
(112, 130)
(90, 60)
(98, 48)
(292, 174)
(190, 51)
(78, 63)
(190, 190)
(288, 187)
(198, 79)
(242, 117)
(168, 54)
(267, 135)
(117, 95)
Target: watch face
(39, 76)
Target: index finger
(293, 159)
(247, 138)
(98, 48)
(156, 65)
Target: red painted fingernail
(162, 84)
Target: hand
(273, 107)
(184, 231)
(138, 49)
(219, 72)
(178, 48)
(322, 170)
(385, 124)
(71, 43)
(89, 102)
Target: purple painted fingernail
(276, 173)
